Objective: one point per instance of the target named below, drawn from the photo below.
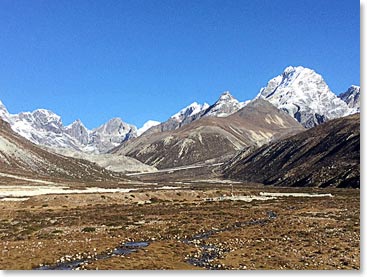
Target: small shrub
(154, 199)
(88, 229)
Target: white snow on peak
(226, 96)
(4, 114)
(304, 94)
(224, 106)
(352, 98)
(190, 110)
(147, 125)
(76, 123)
(44, 127)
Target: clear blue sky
(146, 59)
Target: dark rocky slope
(327, 155)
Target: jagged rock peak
(190, 110)
(44, 116)
(4, 114)
(76, 123)
(351, 97)
(114, 125)
(224, 106)
(226, 96)
(304, 94)
(78, 131)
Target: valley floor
(197, 225)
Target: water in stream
(208, 252)
(122, 250)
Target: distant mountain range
(299, 91)
(20, 157)
(45, 128)
(295, 132)
(211, 137)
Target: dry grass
(308, 233)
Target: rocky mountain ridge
(20, 157)
(211, 139)
(224, 106)
(323, 156)
(299, 91)
(351, 97)
(44, 127)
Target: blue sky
(147, 59)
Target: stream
(208, 252)
(124, 249)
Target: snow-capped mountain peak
(44, 127)
(111, 126)
(192, 109)
(351, 98)
(226, 96)
(47, 119)
(111, 134)
(147, 125)
(78, 131)
(4, 114)
(224, 106)
(303, 94)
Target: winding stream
(124, 249)
(208, 252)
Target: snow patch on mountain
(147, 125)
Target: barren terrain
(197, 225)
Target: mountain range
(211, 137)
(43, 127)
(20, 157)
(296, 100)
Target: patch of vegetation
(154, 199)
(88, 229)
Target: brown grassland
(300, 233)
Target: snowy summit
(304, 94)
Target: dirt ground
(186, 228)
